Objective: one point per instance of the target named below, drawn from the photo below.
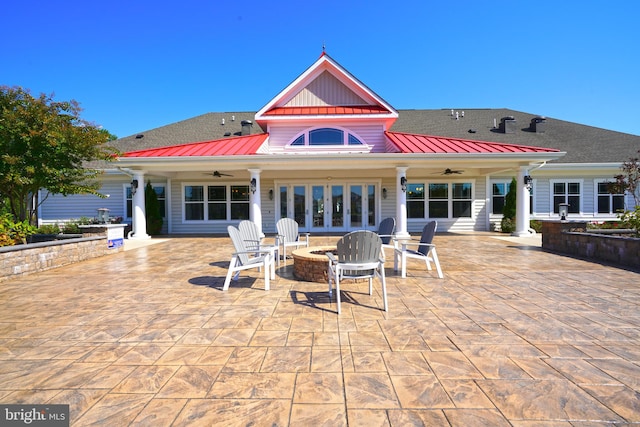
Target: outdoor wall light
(252, 185)
(271, 194)
(403, 183)
(384, 193)
(528, 181)
(134, 186)
(563, 210)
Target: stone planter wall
(572, 238)
(26, 259)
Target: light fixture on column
(252, 185)
(271, 194)
(384, 193)
(134, 186)
(528, 182)
(403, 183)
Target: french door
(333, 207)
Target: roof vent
(508, 124)
(472, 131)
(139, 136)
(246, 127)
(227, 134)
(538, 124)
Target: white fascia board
(581, 166)
(334, 160)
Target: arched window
(326, 137)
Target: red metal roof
(327, 110)
(413, 143)
(237, 146)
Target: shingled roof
(583, 144)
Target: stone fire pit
(310, 264)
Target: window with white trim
(439, 200)
(499, 192)
(567, 192)
(215, 202)
(326, 137)
(608, 203)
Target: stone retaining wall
(26, 259)
(572, 238)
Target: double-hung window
(567, 192)
(607, 202)
(215, 202)
(439, 200)
(498, 196)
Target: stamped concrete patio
(512, 336)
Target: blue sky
(138, 65)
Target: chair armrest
(254, 251)
(332, 258)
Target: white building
(331, 153)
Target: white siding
(58, 208)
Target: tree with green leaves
(629, 180)
(508, 223)
(152, 211)
(45, 144)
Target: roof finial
(324, 49)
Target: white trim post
(255, 211)
(139, 219)
(522, 205)
(401, 204)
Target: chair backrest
(359, 247)
(238, 244)
(428, 232)
(249, 232)
(288, 228)
(385, 230)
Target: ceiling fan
(218, 174)
(448, 171)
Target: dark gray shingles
(583, 144)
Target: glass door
(329, 207)
(362, 209)
(337, 207)
(300, 205)
(317, 207)
(355, 207)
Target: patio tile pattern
(512, 336)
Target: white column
(522, 205)
(255, 211)
(401, 203)
(138, 202)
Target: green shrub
(536, 225)
(14, 233)
(48, 229)
(631, 219)
(508, 225)
(152, 211)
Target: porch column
(255, 211)
(138, 204)
(401, 203)
(522, 205)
